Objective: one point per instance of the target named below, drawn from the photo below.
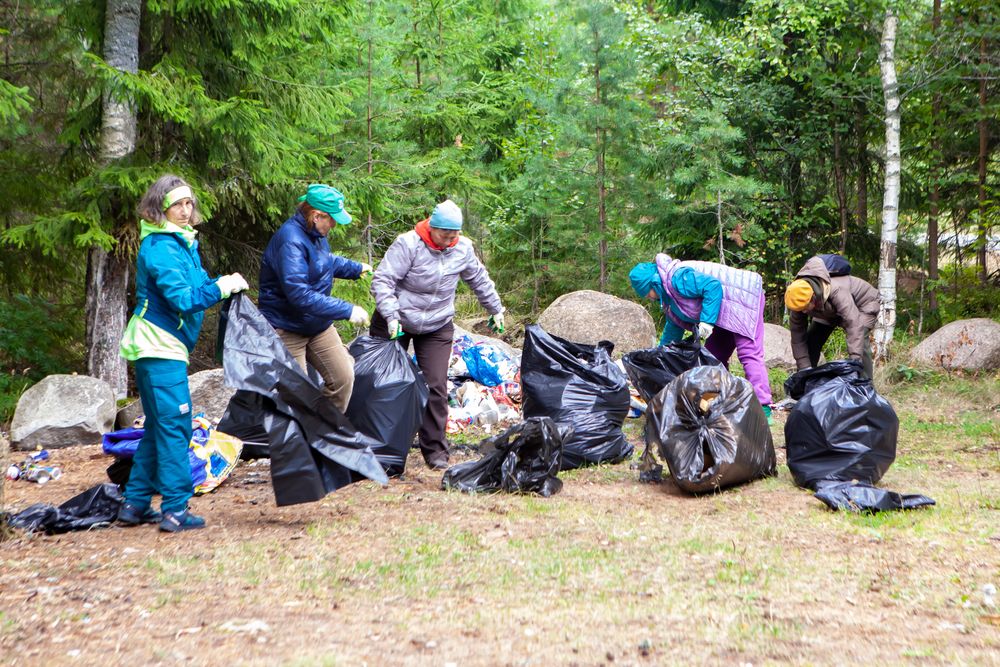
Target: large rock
(127, 414)
(966, 344)
(778, 347)
(588, 317)
(63, 410)
(209, 393)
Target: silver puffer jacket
(416, 284)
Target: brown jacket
(849, 302)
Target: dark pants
(433, 350)
(816, 337)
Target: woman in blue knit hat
(296, 276)
(414, 289)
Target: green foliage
(36, 339)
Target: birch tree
(890, 201)
(108, 270)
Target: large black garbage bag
(711, 430)
(244, 419)
(840, 429)
(578, 385)
(389, 398)
(860, 497)
(96, 507)
(314, 448)
(653, 369)
(523, 459)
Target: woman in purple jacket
(723, 304)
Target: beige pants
(326, 353)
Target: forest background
(578, 138)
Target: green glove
(496, 323)
(395, 329)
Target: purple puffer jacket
(742, 292)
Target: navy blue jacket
(296, 276)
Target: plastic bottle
(42, 474)
(488, 417)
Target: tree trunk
(838, 178)
(602, 214)
(367, 235)
(984, 139)
(718, 218)
(890, 202)
(935, 204)
(861, 210)
(108, 272)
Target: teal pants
(161, 463)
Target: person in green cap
(296, 276)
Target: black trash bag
(244, 419)
(711, 430)
(523, 459)
(119, 471)
(865, 498)
(578, 385)
(96, 507)
(840, 429)
(389, 398)
(653, 369)
(314, 449)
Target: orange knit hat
(798, 295)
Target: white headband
(175, 195)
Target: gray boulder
(588, 317)
(127, 414)
(63, 410)
(209, 393)
(778, 347)
(966, 344)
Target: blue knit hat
(446, 215)
(645, 277)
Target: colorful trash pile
(484, 386)
(212, 454)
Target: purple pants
(750, 352)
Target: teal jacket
(172, 289)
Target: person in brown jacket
(831, 301)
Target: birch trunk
(108, 272)
(886, 324)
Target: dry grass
(610, 571)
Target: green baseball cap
(329, 200)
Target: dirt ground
(608, 572)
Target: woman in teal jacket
(172, 292)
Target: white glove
(366, 270)
(359, 317)
(496, 323)
(395, 329)
(231, 284)
(705, 330)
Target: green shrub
(36, 339)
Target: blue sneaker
(130, 515)
(175, 522)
